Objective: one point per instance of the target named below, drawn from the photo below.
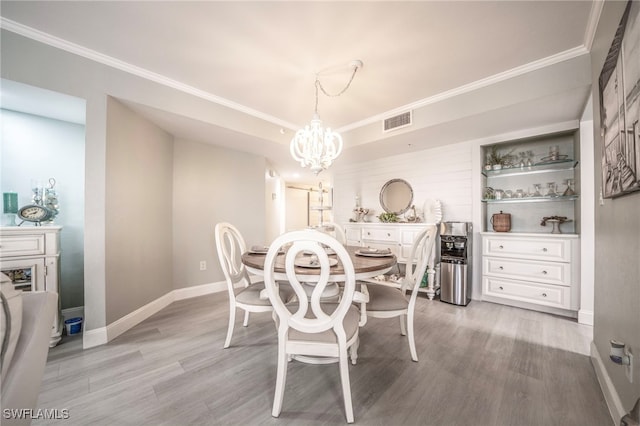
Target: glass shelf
(555, 166)
(531, 199)
(321, 208)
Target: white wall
(442, 173)
(35, 147)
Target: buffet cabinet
(398, 237)
(30, 257)
(536, 271)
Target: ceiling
(261, 58)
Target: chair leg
(346, 385)
(281, 379)
(232, 320)
(403, 327)
(412, 342)
(246, 318)
(353, 350)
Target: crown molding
(478, 84)
(95, 56)
(592, 24)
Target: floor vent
(397, 121)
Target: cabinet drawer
(528, 248)
(23, 245)
(542, 272)
(540, 294)
(380, 234)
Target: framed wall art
(619, 86)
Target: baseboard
(585, 317)
(616, 410)
(95, 337)
(100, 336)
(199, 290)
(134, 318)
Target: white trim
(616, 410)
(103, 335)
(585, 317)
(110, 61)
(478, 84)
(134, 318)
(200, 290)
(592, 24)
(93, 55)
(95, 337)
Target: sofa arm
(21, 385)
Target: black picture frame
(619, 89)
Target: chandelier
(316, 146)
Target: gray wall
(212, 185)
(139, 211)
(30, 62)
(617, 244)
(35, 147)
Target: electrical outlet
(203, 265)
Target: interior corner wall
(210, 185)
(617, 243)
(139, 184)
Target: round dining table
(365, 266)
(368, 266)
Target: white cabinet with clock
(30, 257)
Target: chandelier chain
(319, 85)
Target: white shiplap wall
(442, 173)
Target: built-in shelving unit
(529, 266)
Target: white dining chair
(243, 293)
(390, 302)
(308, 327)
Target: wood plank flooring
(484, 364)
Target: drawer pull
(544, 294)
(501, 288)
(388, 234)
(544, 272)
(544, 249)
(500, 247)
(501, 268)
(368, 233)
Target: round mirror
(396, 196)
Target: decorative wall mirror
(396, 196)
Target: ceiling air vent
(397, 121)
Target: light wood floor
(484, 364)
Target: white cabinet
(536, 271)
(30, 256)
(396, 236)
